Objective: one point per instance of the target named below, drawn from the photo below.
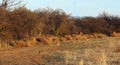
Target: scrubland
(99, 51)
(52, 37)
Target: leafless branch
(9, 3)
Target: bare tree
(9, 3)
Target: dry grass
(90, 57)
(4, 44)
(117, 50)
(95, 52)
(68, 37)
(50, 39)
(114, 34)
(63, 39)
(102, 51)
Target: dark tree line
(23, 23)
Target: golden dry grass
(93, 52)
(114, 34)
(50, 39)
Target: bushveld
(52, 37)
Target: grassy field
(100, 51)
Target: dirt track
(23, 56)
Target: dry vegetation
(102, 51)
(22, 27)
(52, 37)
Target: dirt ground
(102, 51)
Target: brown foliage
(22, 23)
